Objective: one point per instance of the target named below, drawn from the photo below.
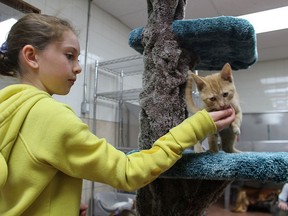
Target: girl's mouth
(72, 81)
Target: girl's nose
(77, 69)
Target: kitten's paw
(232, 150)
(236, 129)
(199, 151)
(213, 150)
(198, 148)
(236, 151)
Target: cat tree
(170, 47)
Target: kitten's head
(216, 90)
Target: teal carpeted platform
(215, 40)
(262, 166)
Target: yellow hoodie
(46, 151)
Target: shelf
(126, 95)
(130, 66)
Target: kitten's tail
(191, 107)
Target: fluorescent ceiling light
(270, 20)
(274, 80)
(5, 27)
(276, 91)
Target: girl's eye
(225, 94)
(69, 56)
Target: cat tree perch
(259, 166)
(215, 41)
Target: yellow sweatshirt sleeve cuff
(193, 129)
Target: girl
(46, 150)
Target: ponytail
(6, 68)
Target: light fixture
(269, 20)
(274, 80)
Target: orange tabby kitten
(218, 92)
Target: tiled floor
(218, 210)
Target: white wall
(264, 87)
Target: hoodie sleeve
(59, 138)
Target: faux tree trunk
(163, 107)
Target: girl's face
(58, 65)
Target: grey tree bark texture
(163, 107)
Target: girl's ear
(29, 56)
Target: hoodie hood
(15, 103)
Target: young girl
(46, 150)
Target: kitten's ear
(190, 73)
(199, 81)
(226, 72)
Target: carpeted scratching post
(170, 46)
(162, 100)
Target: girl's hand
(283, 206)
(223, 118)
(83, 209)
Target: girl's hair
(33, 29)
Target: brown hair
(34, 29)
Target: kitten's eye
(225, 94)
(213, 99)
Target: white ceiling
(271, 46)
